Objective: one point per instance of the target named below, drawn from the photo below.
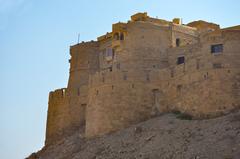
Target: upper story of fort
(145, 43)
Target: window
(218, 48)
(113, 53)
(179, 88)
(116, 36)
(118, 66)
(124, 77)
(217, 65)
(84, 105)
(177, 42)
(109, 54)
(156, 101)
(198, 64)
(121, 36)
(133, 86)
(147, 77)
(180, 60)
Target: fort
(143, 68)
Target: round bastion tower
(83, 63)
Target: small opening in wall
(121, 36)
(205, 76)
(103, 79)
(78, 91)
(218, 48)
(177, 42)
(124, 77)
(133, 86)
(180, 60)
(198, 64)
(113, 53)
(147, 77)
(118, 66)
(179, 88)
(110, 69)
(229, 71)
(112, 86)
(97, 92)
(84, 105)
(217, 65)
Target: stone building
(145, 67)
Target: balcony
(116, 43)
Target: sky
(35, 36)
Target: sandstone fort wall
(144, 68)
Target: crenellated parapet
(58, 119)
(57, 94)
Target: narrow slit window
(177, 42)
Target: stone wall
(206, 84)
(83, 63)
(58, 118)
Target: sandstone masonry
(145, 67)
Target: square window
(218, 48)
(180, 60)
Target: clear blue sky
(34, 50)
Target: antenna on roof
(78, 38)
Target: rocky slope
(163, 137)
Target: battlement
(58, 94)
(139, 17)
(83, 45)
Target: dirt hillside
(168, 136)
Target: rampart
(143, 68)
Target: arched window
(116, 36)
